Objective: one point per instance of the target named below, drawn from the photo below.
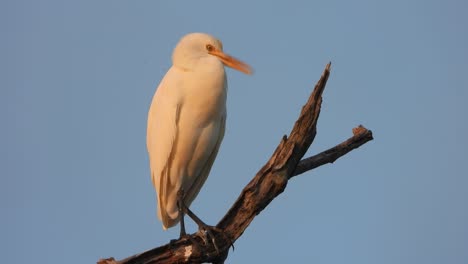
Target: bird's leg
(203, 228)
(206, 230)
(180, 207)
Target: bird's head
(194, 46)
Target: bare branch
(268, 183)
(360, 137)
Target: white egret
(186, 123)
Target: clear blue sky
(76, 82)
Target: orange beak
(231, 61)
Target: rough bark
(268, 183)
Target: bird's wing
(204, 170)
(161, 136)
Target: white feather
(186, 123)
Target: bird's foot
(208, 233)
(205, 232)
(183, 238)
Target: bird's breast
(205, 96)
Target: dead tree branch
(268, 183)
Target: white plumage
(186, 121)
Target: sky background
(77, 79)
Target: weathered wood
(360, 137)
(268, 183)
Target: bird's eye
(209, 47)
